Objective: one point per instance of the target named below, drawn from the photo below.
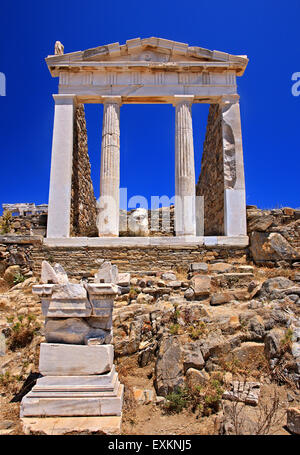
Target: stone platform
(140, 242)
(109, 425)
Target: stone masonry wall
(83, 202)
(285, 221)
(211, 179)
(81, 261)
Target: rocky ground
(212, 351)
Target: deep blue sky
(266, 30)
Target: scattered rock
(247, 392)
(201, 285)
(220, 298)
(143, 396)
(293, 420)
(11, 272)
(107, 273)
(271, 247)
(169, 276)
(220, 267)
(195, 377)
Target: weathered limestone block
(107, 273)
(101, 297)
(201, 285)
(74, 331)
(75, 360)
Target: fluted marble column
(185, 219)
(59, 205)
(108, 221)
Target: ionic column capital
(229, 99)
(65, 98)
(111, 99)
(185, 99)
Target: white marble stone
(147, 242)
(108, 219)
(81, 406)
(107, 273)
(235, 222)
(59, 205)
(185, 215)
(74, 360)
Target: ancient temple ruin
(151, 70)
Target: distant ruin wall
(83, 201)
(211, 179)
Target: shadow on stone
(26, 387)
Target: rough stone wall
(285, 221)
(83, 201)
(211, 179)
(17, 250)
(35, 224)
(165, 226)
(84, 260)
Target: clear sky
(266, 30)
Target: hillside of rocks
(195, 348)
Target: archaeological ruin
(109, 326)
(152, 70)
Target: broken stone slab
(101, 297)
(246, 392)
(143, 396)
(64, 300)
(124, 279)
(53, 275)
(74, 331)
(107, 273)
(220, 267)
(201, 285)
(199, 267)
(75, 360)
(107, 425)
(293, 420)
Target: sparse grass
(176, 401)
(174, 328)
(198, 331)
(202, 400)
(286, 341)
(5, 222)
(22, 331)
(255, 366)
(18, 278)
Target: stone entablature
(151, 70)
(147, 70)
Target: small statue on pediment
(58, 48)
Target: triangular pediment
(147, 51)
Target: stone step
(77, 406)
